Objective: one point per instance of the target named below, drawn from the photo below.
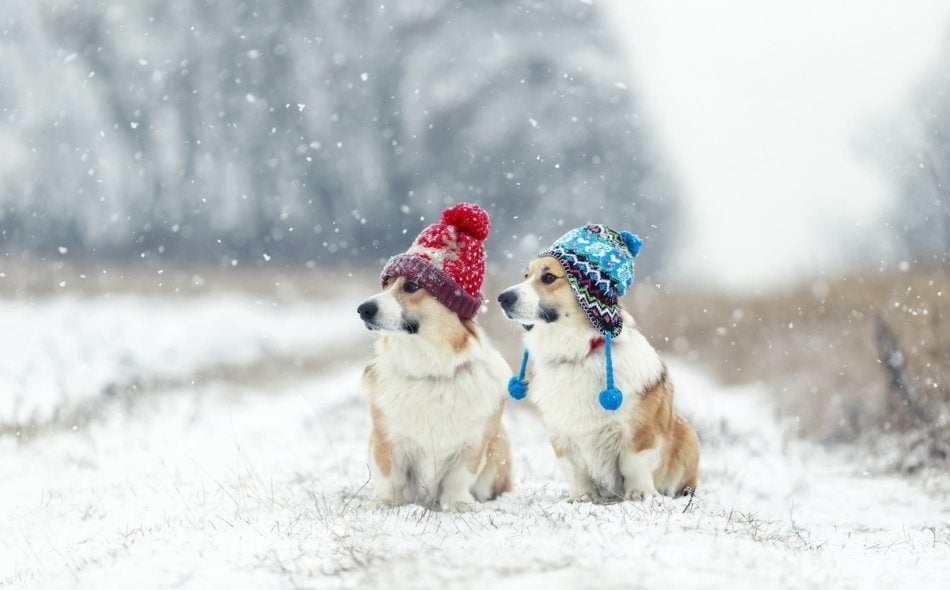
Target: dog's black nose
(367, 310)
(507, 298)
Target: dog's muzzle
(510, 303)
(507, 300)
(367, 310)
(369, 313)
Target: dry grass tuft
(817, 350)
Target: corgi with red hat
(436, 385)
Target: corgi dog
(436, 384)
(637, 448)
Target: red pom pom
(469, 218)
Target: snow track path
(60, 354)
(228, 485)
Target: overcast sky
(761, 108)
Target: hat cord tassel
(610, 398)
(517, 388)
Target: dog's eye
(547, 278)
(410, 287)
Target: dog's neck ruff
(560, 349)
(418, 358)
(610, 398)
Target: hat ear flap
(632, 241)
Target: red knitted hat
(448, 259)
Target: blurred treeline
(219, 132)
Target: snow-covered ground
(263, 483)
(57, 353)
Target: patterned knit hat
(599, 266)
(448, 259)
(598, 263)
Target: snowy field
(259, 479)
(58, 355)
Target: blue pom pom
(611, 398)
(516, 388)
(632, 241)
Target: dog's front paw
(383, 503)
(581, 496)
(639, 495)
(460, 505)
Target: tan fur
(655, 422)
(499, 456)
(495, 453)
(491, 429)
(653, 415)
(461, 339)
(380, 447)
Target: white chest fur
(433, 408)
(569, 376)
(567, 379)
(439, 415)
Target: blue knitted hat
(599, 266)
(598, 263)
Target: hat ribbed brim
(435, 281)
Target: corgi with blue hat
(601, 388)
